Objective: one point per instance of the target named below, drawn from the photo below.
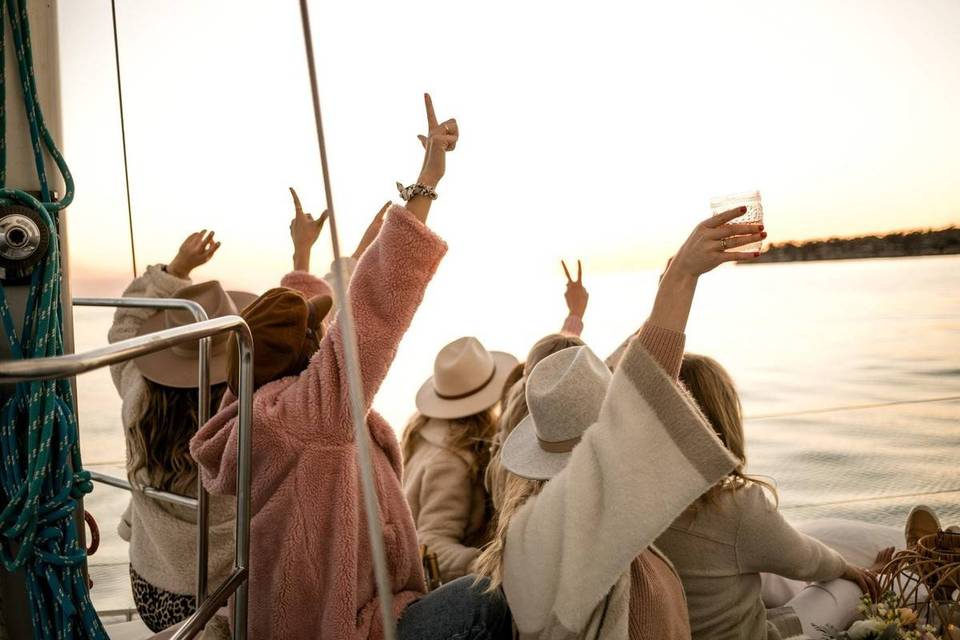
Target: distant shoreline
(901, 244)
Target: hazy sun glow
(597, 130)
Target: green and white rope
(41, 475)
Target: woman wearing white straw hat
(602, 465)
(446, 447)
(159, 393)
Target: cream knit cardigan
(650, 455)
(163, 537)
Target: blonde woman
(722, 543)
(446, 448)
(159, 411)
(602, 465)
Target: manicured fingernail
(761, 227)
(756, 254)
(763, 235)
(743, 209)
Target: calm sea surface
(796, 338)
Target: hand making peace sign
(576, 294)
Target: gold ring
(723, 244)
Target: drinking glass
(754, 214)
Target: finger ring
(723, 244)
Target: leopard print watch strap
(414, 190)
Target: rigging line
(852, 407)
(123, 135)
(354, 382)
(870, 499)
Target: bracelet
(418, 189)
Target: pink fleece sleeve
(306, 283)
(386, 289)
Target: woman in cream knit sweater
(599, 471)
(722, 543)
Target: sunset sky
(597, 130)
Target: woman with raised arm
(312, 573)
(160, 409)
(602, 465)
(723, 542)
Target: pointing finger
(296, 202)
(566, 271)
(431, 115)
(579, 272)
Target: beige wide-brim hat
(178, 366)
(467, 379)
(565, 392)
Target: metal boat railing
(70, 365)
(200, 503)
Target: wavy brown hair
(716, 394)
(160, 440)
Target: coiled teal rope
(41, 476)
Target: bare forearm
(671, 308)
(301, 260)
(419, 206)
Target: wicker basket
(926, 578)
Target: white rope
(354, 383)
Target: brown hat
(286, 328)
(177, 366)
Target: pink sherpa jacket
(311, 567)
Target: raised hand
(304, 231)
(373, 229)
(707, 247)
(576, 294)
(196, 250)
(440, 138)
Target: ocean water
(797, 338)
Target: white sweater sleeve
(647, 458)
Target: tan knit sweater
(720, 550)
(448, 505)
(571, 548)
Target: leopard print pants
(159, 609)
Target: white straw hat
(466, 380)
(564, 394)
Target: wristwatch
(417, 189)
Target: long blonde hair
(160, 440)
(514, 492)
(713, 389)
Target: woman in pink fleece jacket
(311, 568)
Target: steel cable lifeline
(354, 383)
(41, 476)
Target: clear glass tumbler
(754, 214)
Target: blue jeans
(458, 611)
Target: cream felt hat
(467, 379)
(177, 366)
(565, 392)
